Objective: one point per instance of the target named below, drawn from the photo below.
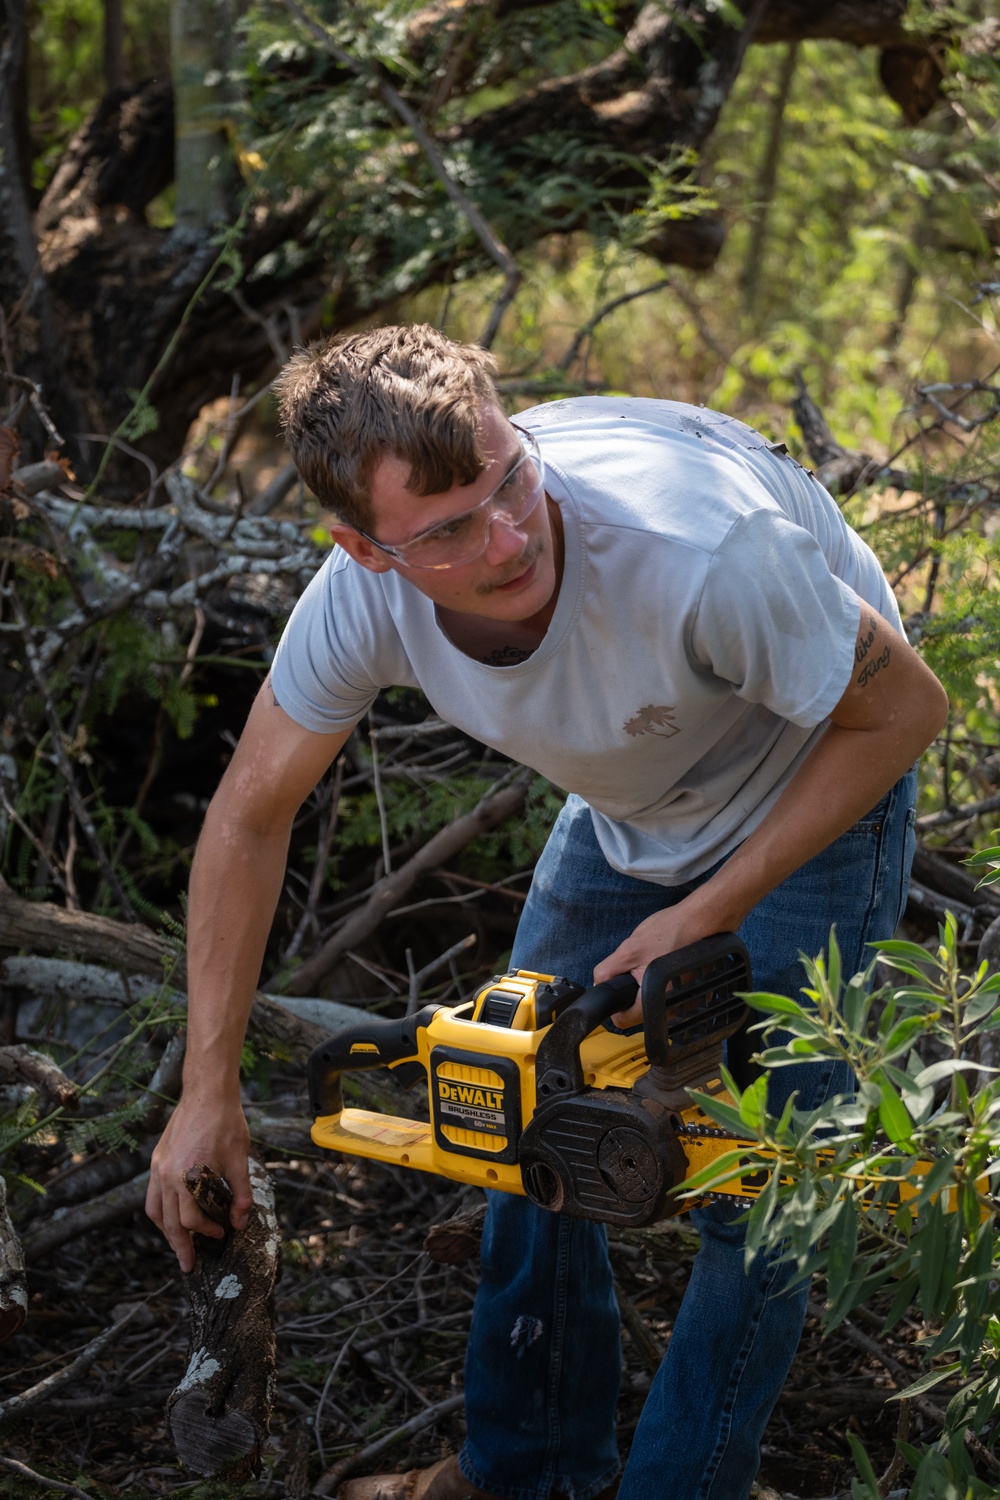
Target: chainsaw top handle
(375, 1043)
(687, 998)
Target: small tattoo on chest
(506, 656)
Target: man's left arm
(890, 711)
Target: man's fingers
(631, 1017)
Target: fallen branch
(13, 1288)
(38, 1394)
(328, 1483)
(293, 1028)
(959, 814)
(118, 1203)
(19, 1064)
(43, 925)
(392, 889)
(220, 1413)
(42, 1479)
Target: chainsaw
(528, 1092)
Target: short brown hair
(405, 391)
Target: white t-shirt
(704, 630)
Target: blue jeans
(543, 1362)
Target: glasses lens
(465, 537)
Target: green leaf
(903, 1035)
(893, 1115)
(723, 1114)
(753, 1105)
(945, 1069)
(781, 1005)
(833, 963)
(842, 1250)
(984, 857)
(896, 948)
(926, 1382)
(864, 1467)
(855, 1005)
(931, 1244)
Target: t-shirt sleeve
(773, 620)
(323, 674)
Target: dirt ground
(371, 1333)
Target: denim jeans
(543, 1361)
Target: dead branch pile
(132, 637)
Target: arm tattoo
(872, 668)
(864, 644)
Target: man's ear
(360, 548)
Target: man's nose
(504, 538)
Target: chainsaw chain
(716, 1132)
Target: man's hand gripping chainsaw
(528, 1092)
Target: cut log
(20, 1064)
(46, 928)
(13, 1288)
(456, 1240)
(220, 1413)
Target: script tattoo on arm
(874, 666)
(864, 643)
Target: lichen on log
(219, 1414)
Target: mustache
(522, 565)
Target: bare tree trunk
(202, 53)
(114, 44)
(768, 177)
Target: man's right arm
(236, 879)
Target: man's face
(515, 578)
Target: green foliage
(891, 1192)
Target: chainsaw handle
(375, 1043)
(696, 986)
(558, 1069)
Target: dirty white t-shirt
(704, 630)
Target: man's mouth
(525, 567)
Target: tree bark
(220, 1413)
(202, 52)
(20, 1064)
(768, 177)
(13, 1288)
(114, 44)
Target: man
(670, 619)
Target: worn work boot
(445, 1481)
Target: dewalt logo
(469, 1094)
(363, 1047)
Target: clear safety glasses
(464, 537)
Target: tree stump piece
(456, 1240)
(13, 1288)
(220, 1413)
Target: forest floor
(372, 1334)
